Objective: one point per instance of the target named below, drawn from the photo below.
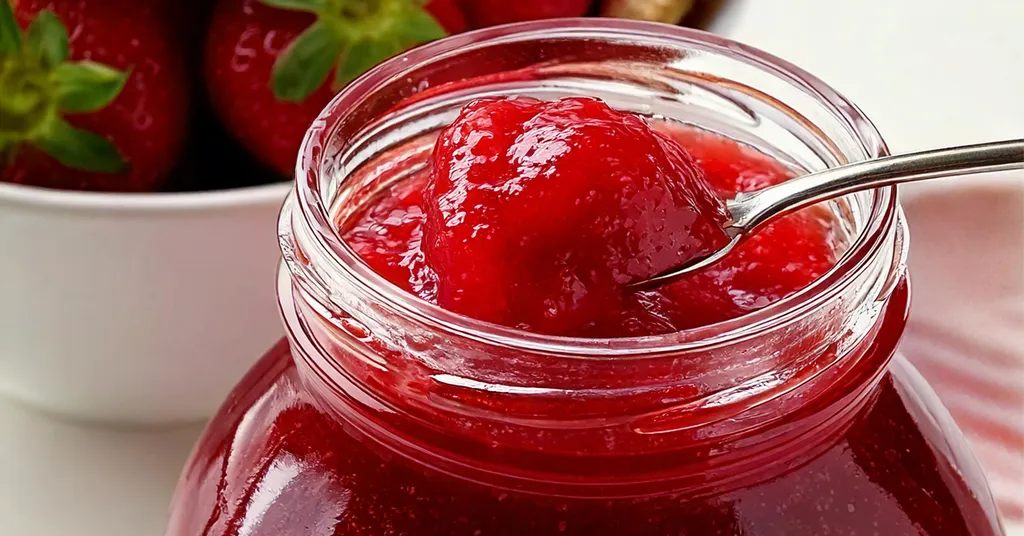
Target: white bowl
(135, 308)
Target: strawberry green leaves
(38, 86)
(361, 57)
(349, 37)
(407, 29)
(47, 39)
(87, 86)
(416, 26)
(79, 149)
(310, 6)
(10, 32)
(305, 64)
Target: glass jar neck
(561, 415)
(591, 429)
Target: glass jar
(382, 414)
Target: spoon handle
(751, 210)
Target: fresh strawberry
(268, 61)
(483, 13)
(449, 14)
(102, 109)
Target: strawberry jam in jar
(762, 396)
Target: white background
(928, 72)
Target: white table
(928, 72)
(61, 478)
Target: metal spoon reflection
(751, 210)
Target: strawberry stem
(25, 102)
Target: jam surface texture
(536, 215)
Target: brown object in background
(704, 13)
(670, 11)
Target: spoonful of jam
(540, 213)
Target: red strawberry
(112, 120)
(449, 14)
(483, 13)
(268, 61)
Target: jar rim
(315, 210)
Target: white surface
(142, 309)
(963, 85)
(59, 478)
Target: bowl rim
(143, 202)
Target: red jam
(385, 445)
(527, 200)
(539, 213)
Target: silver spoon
(751, 210)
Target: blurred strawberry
(483, 13)
(114, 119)
(668, 11)
(449, 14)
(268, 62)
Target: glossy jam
(539, 213)
(861, 448)
(778, 261)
